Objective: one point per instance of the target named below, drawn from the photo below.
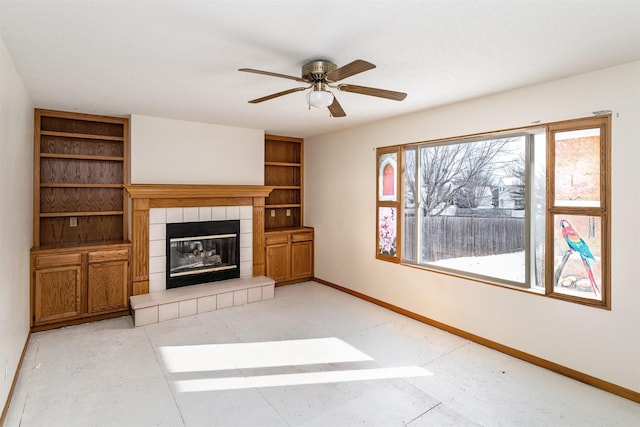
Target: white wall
(16, 212)
(165, 151)
(340, 203)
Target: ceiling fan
(323, 74)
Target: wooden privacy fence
(446, 237)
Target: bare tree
(450, 171)
(409, 177)
(516, 169)
(475, 191)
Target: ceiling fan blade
(372, 91)
(268, 73)
(275, 95)
(352, 68)
(336, 109)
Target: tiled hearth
(185, 301)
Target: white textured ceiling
(179, 59)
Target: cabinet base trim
(78, 321)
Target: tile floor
(312, 356)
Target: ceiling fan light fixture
(319, 98)
(319, 75)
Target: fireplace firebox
(202, 252)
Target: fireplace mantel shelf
(195, 191)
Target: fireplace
(202, 252)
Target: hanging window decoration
(388, 205)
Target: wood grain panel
(284, 197)
(79, 146)
(196, 202)
(278, 262)
(140, 237)
(282, 175)
(282, 151)
(280, 219)
(107, 288)
(57, 293)
(102, 228)
(258, 237)
(80, 199)
(274, 239)
(110, 255)
(187, 191)
(36, 181)
(302, 260)
(141, 287)
(72, 124)
(43, 261)
(75, 171)
(301, 237)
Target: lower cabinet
(57, 293)
(289, 255)
(75, 285)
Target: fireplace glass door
(200, 252)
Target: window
(388, 207)
(577, 246)
(480, 207)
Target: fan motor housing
(317, 70)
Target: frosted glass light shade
(320, 98)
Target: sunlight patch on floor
(218, 357)
(319, 351)
(235, 383)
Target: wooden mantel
(195, 191)
(147, 196)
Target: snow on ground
(510, 266)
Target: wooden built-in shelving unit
(80, 256)
(80, 168)
(288, 243)
(283, 171)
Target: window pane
(409, 226)
(577, 168)
(473, 207)
(577, 255)
(539, 206)
(387, 231)
(387, 184)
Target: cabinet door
(57, 293)
(301, 259)
(278, 262)
(107, 286)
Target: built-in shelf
(82, 135)
(66, 185)
(284, 164)
(80, 157)
(68, 214)
(283, 206)
(283, 171)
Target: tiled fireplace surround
(154, 206)
(160, 217)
